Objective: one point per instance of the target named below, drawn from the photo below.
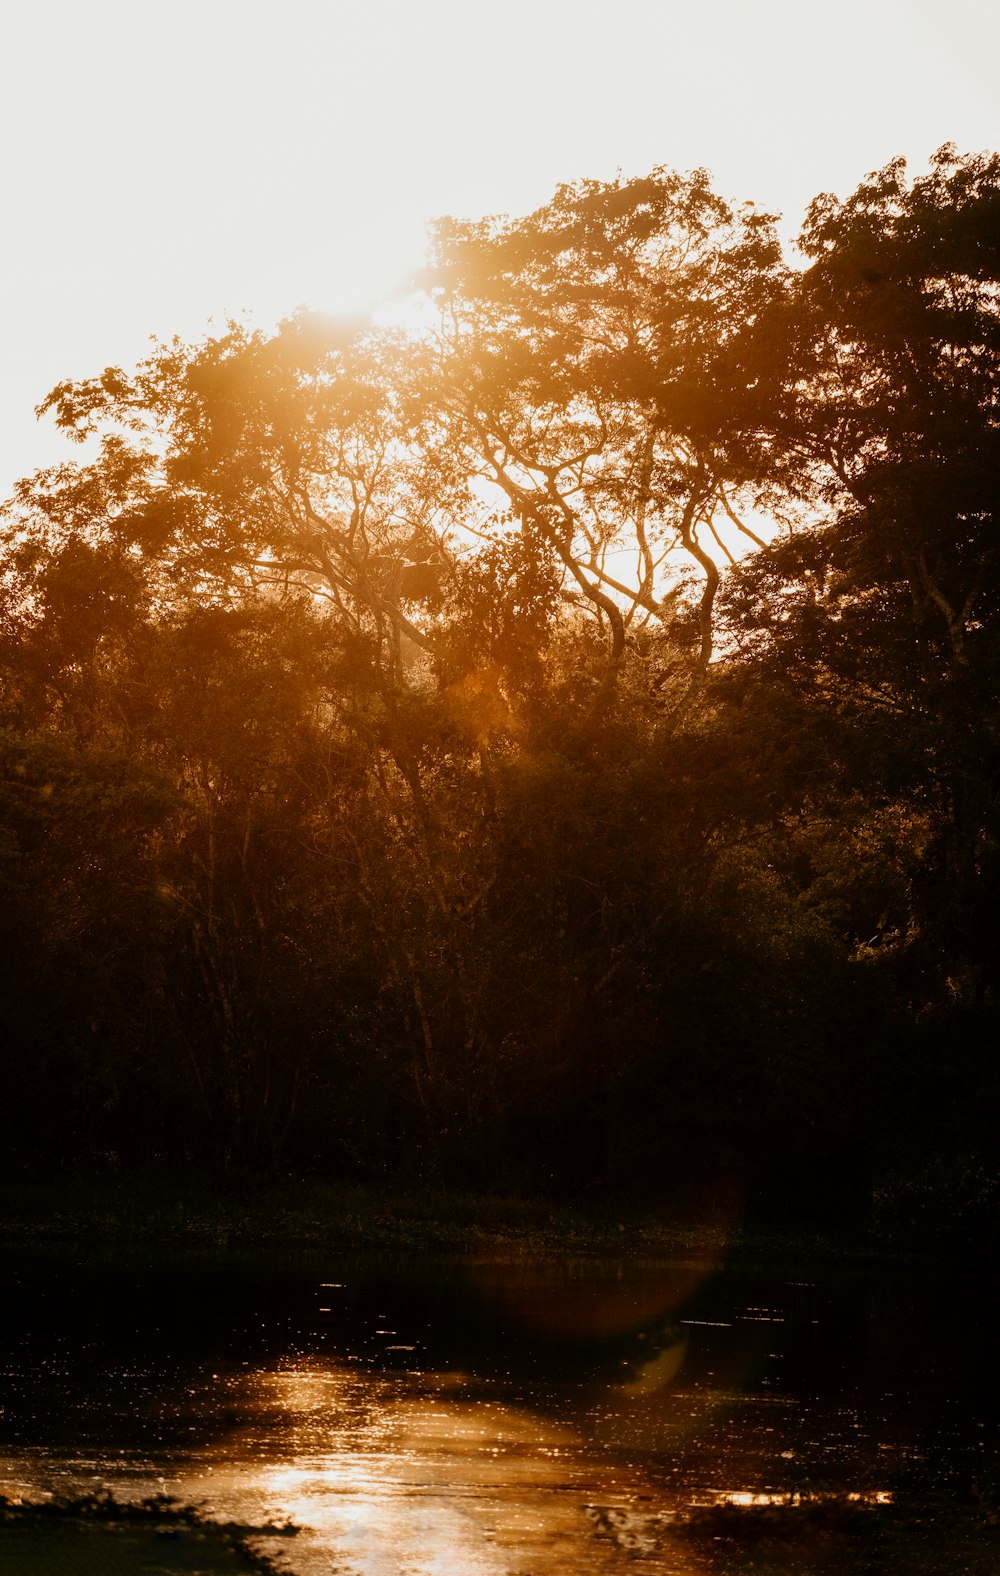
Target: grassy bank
(156, 1210)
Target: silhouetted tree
(388, 787)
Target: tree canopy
(552, 743)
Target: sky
(166, 166)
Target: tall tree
(590, 367)
(876, 632)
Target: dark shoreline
(145, 1210)
(817, 1533)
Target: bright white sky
(164, 164)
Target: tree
(590, 368)
(870, 640)
(378, 678)
(890, 354)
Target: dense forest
(546, 739)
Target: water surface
(497, 1417)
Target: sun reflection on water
(431, 1475)
(566, 1419)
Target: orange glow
(176, 164)
(601, 1300)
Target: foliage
(401, 779)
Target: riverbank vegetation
(161, 1211)
(545, 743)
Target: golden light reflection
(660, 1370)
(748, 1498)
(425, 1473)
(420, 1426)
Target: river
(502, 1416)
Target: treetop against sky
(168, 166)
(354, 824)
